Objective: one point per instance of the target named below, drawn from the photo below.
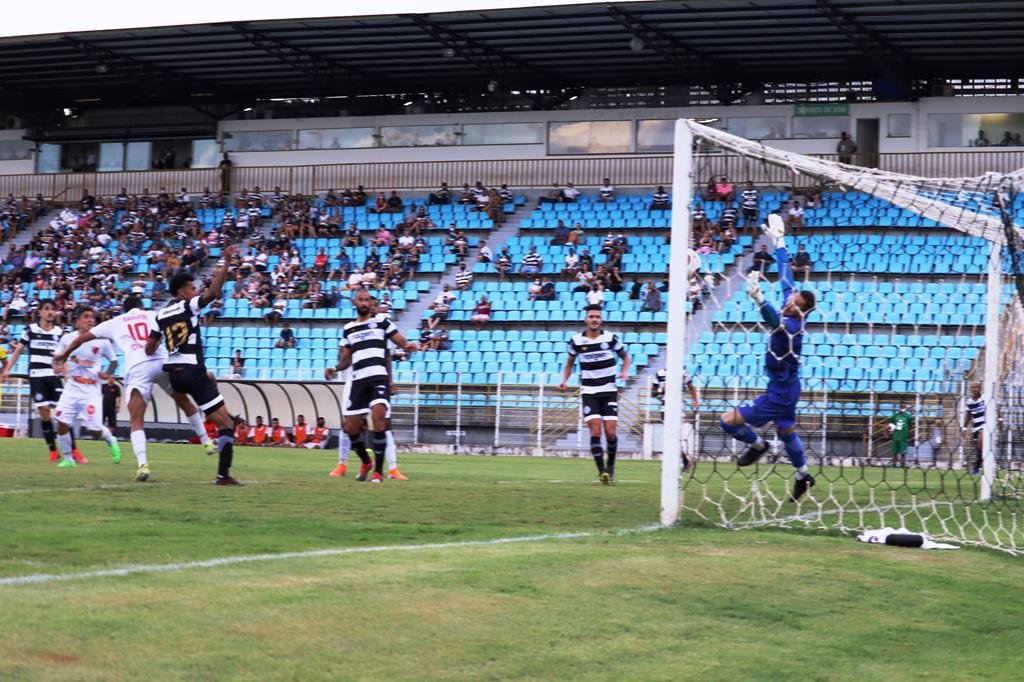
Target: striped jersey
(748, 199)
(130, 331)
(86, 363)
(368, 342)
(976, 408)
(597, 359)
(41, 344)
(178, 324)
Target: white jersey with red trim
(85, 364)
(130, 331)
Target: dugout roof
(712, 42)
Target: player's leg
(64, 417)
(592, 420)
(379, 409)
(356, 410)
(979, 452)
(391, 452)
(786, 431)
(610, 422)
(46, 424)
(136, 414)
(195, 383)
(737, 423)
(344, 445)
(90, 413)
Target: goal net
(917, 322)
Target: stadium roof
(717, 43)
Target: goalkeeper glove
(754, 288)
(776, 229)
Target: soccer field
(477, 568)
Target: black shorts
(194, 382)
(601, 406)
(750, 213)
(365, 393)
(45, 390)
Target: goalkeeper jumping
(782, 364)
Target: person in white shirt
(570, 193)
(606, 192)
(82, 397)
(795, 216)
(484, 254)
(130, 331)
(596, 295)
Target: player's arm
(624, 354)
(768, 312)
(785, 271)
(109, 372)
(153, 342)
(570, 361)
(72, 347)
(399, 340)
(694, 395)
(219, 277)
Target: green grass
(690, 602)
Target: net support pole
(675, 353)
(992, 356)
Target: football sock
(742, 433)
(391, 453)
(612, 448)
(138, 439)
(64, 445)
(344, 445)
(196, 422)
(49, 435)
(71, 433)
(380, 445)
(106, 436)
(226, 448)
(795, 450)
(597, 453)
(359, 446)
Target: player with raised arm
(82, 398)
(130, 331)
(45, 387)
(596, 351)
(782, 364)
(178, 324)
(363, 347)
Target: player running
(363, 347)
(178, 324)
(130, 331)
(44, 386)
(596, 350)
(782, 364)
(83, 395)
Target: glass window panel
(655, 136)
(111, 156)
(48, 159)
(137, 156)
(898, 125)
(336, 138)
(964, 130)
(820, 126)
(418, 136)
(758, 127)
(590, 137)
(258, 140)
(15, 150)
(503, 133)
(204, 154)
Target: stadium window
(502, 133)
(138, 155)
(259, 140)
(111, 156)
(590, 137)
(204, 154)
(15, 150)
(898, 125)
(758, 127)
(655, 136)
(418, 136)
(336, 138)
(48, 159)
(820, 126)
(961, 130)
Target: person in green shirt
(899, 428)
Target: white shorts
(84, 402)
(143, 376)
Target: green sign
(837, 109)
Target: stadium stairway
(24, 236)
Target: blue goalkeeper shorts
(777, 404)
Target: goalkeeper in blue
(782, 364)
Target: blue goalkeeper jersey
(785, 343)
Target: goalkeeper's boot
(78, 457)
(801, 486)
(396, 475)
(67, 464)
(115, 452)
(364, 470)
(143, 474)
(54, 456)
(752, 454)
(339, 471)
(211, 447)
(605, 478)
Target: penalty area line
(131, 569)
(562, 481)
(99, 487)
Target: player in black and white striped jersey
(363, 347)
(975, 407)
(597, 351)
(749, 200)
(41, 340)
(179, 332)
(658, 391)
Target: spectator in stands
(1007, 140)
(612, 279)
(532, 263)
(463, 278)
(385, 306)
(586, 260)
(460, 246)
(596, 295)
(570, 194)
(506, 194)
(724, 190)
(845, 148)
(441, 306)
(795, 217)
(380, 204)
(214, 312)
(503, 263)
(552, 197)
(561, 236)
(276, 311)
(802, 263)
(762, 259)
(394, 203)
(1017, 141)
(439, 338)
(286, 338)
(441, 196)
(17, 306)
(606, 193)
(481, 313)
(495, 207)
(705, 243)
(483, 253)
(237, 365)
(660, 200)
(343, 266)
(332, 298)
(726, 239)
(314, 295)
(547, 290)
(571, 264)
(382, 238)
(533, 290)
(225, 172)
(352, 236)
(652, 299)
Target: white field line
(566, 481)
(131, 569)
(115, 486)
